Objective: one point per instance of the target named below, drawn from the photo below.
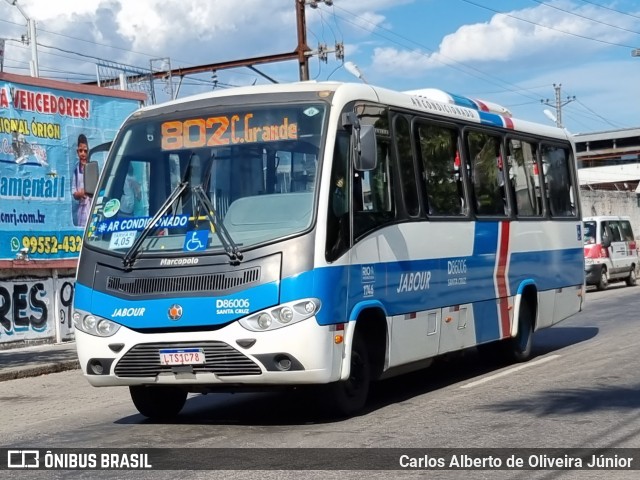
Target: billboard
(45, 128)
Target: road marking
(511, 370)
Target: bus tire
(158, 402)
(519, 347)
(349, 396)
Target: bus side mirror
(363, 139)
(91, 173)
(366, 150)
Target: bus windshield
(201, 180)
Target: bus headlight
(105, 328)
(285, 315)
(282, 315)
(264, 321)
(98, 326)
(89, 322)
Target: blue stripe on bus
(463, 101)
(562, 268)
(196, 311)
(487, 324)
(390, 286)
(487, 118)
(485, 238)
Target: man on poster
(81, 214)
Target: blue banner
(44, 132)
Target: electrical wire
(540, 2)
(611, 9)
(517, 90)
(454, 64)
(547, 26)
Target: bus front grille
(211, 282)
(144, 360)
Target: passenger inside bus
(339, 198)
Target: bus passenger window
(558, 180)
(407, 169)
(442, 180)
(487, 174)
(524, 179)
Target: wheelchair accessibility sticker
(196, 240)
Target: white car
(610, 251)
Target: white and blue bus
(320, 234)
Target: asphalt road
(581, 390)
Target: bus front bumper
(302, 353)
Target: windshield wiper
(130, 256)
(230, 247)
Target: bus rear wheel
(349, 396)
(158, 402)
(518, 348)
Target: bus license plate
(182, 356)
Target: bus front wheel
(349, 396)
(158, 402)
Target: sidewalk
(38, 360)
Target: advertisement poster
(45, 129)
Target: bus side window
(373, 204)
(556, 169)
(487, 174)
(524, 181)
(441, 175)
(338, 233)
(406, 166)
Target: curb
(37, 370)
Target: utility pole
(558, 104)
(302, 48)
(301, 53)
(30, 39)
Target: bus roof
(428, 100)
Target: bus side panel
(488, 328)
(414, 337)
(567, 302)
(458, 328)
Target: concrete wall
(35, 307)
(609, 202)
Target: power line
(596, 114)
(558, 105)
(454, 64)
(611, 9)
(548, 27)
(585, 17)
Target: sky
(517, 53)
